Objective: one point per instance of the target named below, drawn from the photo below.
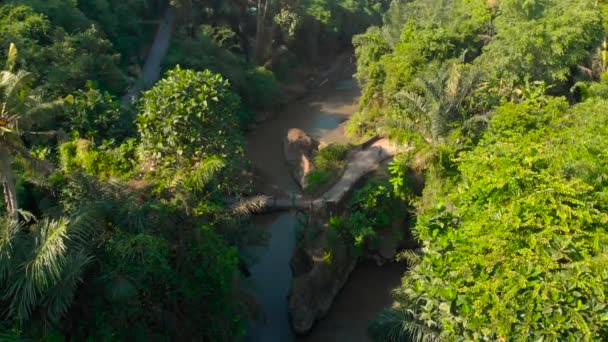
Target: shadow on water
(366, 293)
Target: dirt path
(152, 67)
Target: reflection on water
(271, 277)
(321, 115)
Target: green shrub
(517, 248)
(222, 36)
(371, 209)
(332, 157)
(189, 116)
(261, 89)
(97, 115)
(317, 180)
(102, 161)
(257, 86)
(329, 162)
(203, 53)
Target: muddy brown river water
(321, 114)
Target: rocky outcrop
(299, 148)
(318, 276)
(313, 293)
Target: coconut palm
(20, 111)
(41, 266)
(440, 101)
(40, 262)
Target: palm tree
(19, 111)
(41, 266)
(440, 102)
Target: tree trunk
(238, 20)
(262, 36)
(8, 182)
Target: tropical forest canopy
(114, 225)
(504, 106)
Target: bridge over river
(361, 163)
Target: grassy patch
(329, 163)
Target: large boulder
(299, 148)
(313, 293)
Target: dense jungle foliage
(503, 107)
(115, 226)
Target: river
(321, 114)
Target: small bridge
(366, 160)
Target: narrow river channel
(321, 114)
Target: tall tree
(19, 109)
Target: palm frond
(397, 324)
(250, 206)
(23, 296)
(452, 88)
(469, 83)
(11, 58)
(11, 83)
(49, 254)
(409, 256)
(433, 86)
(9, 231)
(135, 219)
(49, 272)
(27, 216)
(204, 172)
(410, 99)
(59, 298)
(84, 224)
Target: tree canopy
(122, 222)
(505, 113)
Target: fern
(49, 254)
